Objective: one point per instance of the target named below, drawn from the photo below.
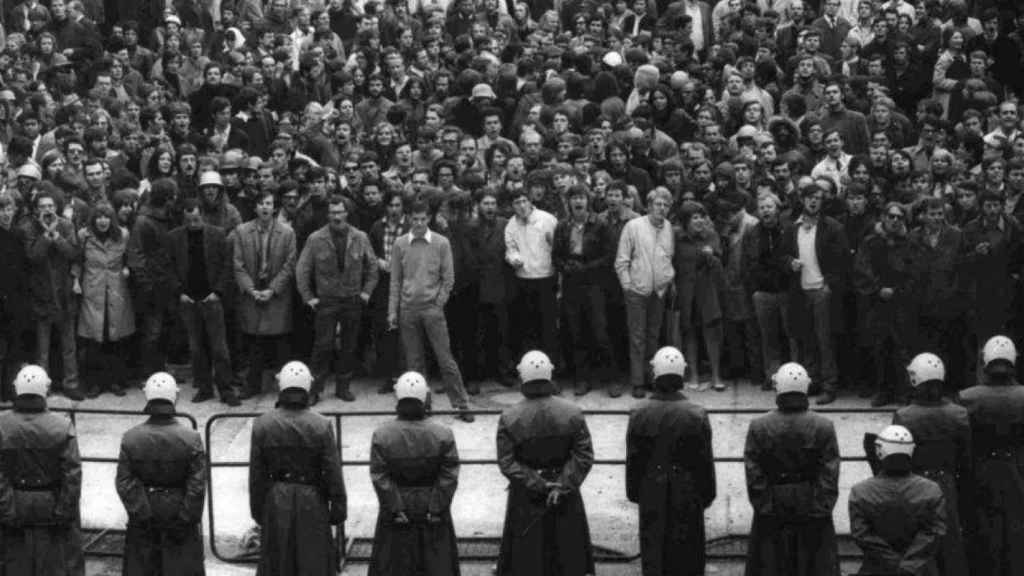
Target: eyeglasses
(894, 216)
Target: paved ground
(480, 501)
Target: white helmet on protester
(894, 440)
(535, 365)
(925, 367)
(999, 348)
(791, 377)
(210, 178)
(161, 386)
(668, 360)
(412, 385)
(295, 374)
(32, 379)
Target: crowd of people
(238, 184)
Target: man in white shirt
(529, 238)
(817, 249)
(836, 164)
(643, 264)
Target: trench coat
(40, 487)
(264, 318)
(994, 532)
(670, 473)
(49, 270)
(544, 439)
(898, 520)
(942, 453)
(792, 468)
(886, 261)
(106, 299)
(989, 275)
(700, 280)
(161, 479)
(414, 466)
(296, 490)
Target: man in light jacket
(644, 266)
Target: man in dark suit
(488, 237)
(223, 134)
(639, 21)
(833, 29)
(201, 261)
(815, 249)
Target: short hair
(419, 207)
(162, 191)
(659, 192)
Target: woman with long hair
(106, 316)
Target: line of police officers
(947, 497)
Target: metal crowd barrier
(604, 556)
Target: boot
(341, 390)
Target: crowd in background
(237, 184)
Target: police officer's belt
(934, 473)
(415, 482)
(33, 485)
(291, 477)
(791, 478)
(1000, 454)
(156, 488)
(668, 469)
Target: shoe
(473, 387)
(615, 389)
(247, 393)
(639, 393)
(341, 390)
(880, 399)
(827, 397)
(118, 390)
(74, 394)
(202, 396)
(581, 388)
(720, 387)
(387, 387)
(92, 392)
(865, 392)
(230, 399)
(466, 416)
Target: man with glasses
(883, 276)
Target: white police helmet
(535, 365)
(999, 348)
(791, 377)
(668, 360)
(161, 386)
(32, 379)
(894, 440)
(412, 385)
(295, 374)
(925, 367)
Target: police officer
(942, 435)
(792, 465)
(994, 532)
(898, 517)
(414, 466)
(544, 450)
(161, 479)
(670, 472)
(296, 490)
(40, 484)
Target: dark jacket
(40, 487)
(792, 469)
(14, 310)
(833, 254)
(670, 473)
(700, 280)
(941, 291)
(885, 261)
(495, 274)
(544, 439)
(414, 466)
(149, 259)
(942, 453)
(762, 262)
(296, 490)
(318, 276)
(588, 266)
(217, 252)
(898, 520)
(989, 275)
(161, 479)
(49, 269)
(993, 531)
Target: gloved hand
(554, 494)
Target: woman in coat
(106, 316)
(699, 284)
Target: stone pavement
(479, 503)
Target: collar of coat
(30, 403)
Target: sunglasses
(894, 216)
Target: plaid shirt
(391, 233)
